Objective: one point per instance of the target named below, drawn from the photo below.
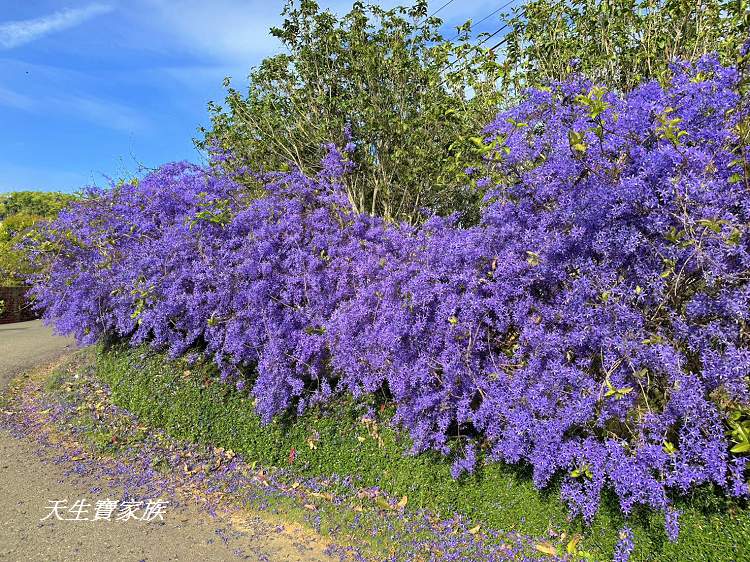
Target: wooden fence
(14, 306)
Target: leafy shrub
(412, 97)
(620, 44)
(594, 325)
(380, 75)
(13, 263)
(20, 213)
(36, 203)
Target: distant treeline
(21, 212)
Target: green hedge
(189, 403)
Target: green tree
(13, 262)
(619, 42)
(21, 213)
(380, 74)
(41, 204)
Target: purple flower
(609, 268)
(672, 524)
(624, 546)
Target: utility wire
(483, 41)
(448, 3)
(418, 22)
(488, 16)
(495, 46)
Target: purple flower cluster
(593, 325)
(625, 546)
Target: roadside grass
(80, 406)
(116, 436)
(187, 402)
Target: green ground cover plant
(68, 411)
(189, 403)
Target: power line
(464, 67)
(419, 22)
(448, 3)
(483, 41)
(495, 46)
(488, 16)
(491, 35)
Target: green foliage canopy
(379, 74)
(619, 43)
(20, 213)
(37, 203)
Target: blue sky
(90, 90)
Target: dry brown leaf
(546, 548)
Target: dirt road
(30, 479)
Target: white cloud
(15, 33)
(100, 112)
(226, 30)
(233, 33)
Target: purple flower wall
(594, 324)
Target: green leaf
(576, 141)
(382, 503)
(583, 470)
(477, 141)
(655, 339)
(572, 547)
(734, 237)
(711, 224)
